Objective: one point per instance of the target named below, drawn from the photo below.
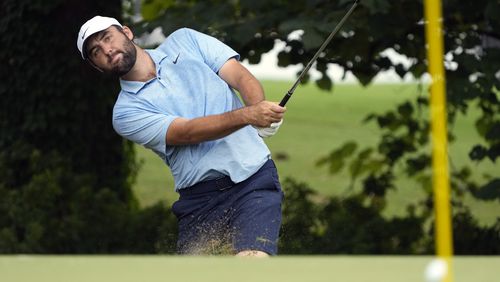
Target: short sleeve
(146, 128)
(211, 50)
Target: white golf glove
(265, 132)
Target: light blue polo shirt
(187, 85)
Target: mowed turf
(222, 269)
(318, 122)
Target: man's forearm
(257, 112)
(239, 78)
(192, 131)
(250, 90)
(184, 131)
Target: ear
(128, 32)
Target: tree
(65, 176)
(472, 47)
(251, 27)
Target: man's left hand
(265, 132)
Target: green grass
(221, 269)
(154, 180)
(317, 122)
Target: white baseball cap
(92, 26)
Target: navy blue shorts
(221, 217)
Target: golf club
(304, 72)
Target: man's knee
(252, 253)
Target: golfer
(178, 100)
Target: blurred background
(353, 153)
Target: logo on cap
(83, 36)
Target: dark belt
(218, 184)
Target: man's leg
(250, 253)
(202, 224)
(256, 217)
(243, 220)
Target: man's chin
(121, 73)
(123, 67)
(118, 71)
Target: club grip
(285, 99)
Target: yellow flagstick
(441, 185)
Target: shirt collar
(134, 87)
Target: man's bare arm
(257, 112)
(184, 131)
(239, 78)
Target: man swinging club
(178, 101)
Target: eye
(107, 38)
(95, 52)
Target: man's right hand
(265, 113)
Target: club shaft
(318, 53)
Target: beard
(129, 56)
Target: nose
(108, 49)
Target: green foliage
(471, 44)
(351, 225)
(152, 230)
(151, 8)
(65, 176)
(402, 146)
(251, 27)
(313, 224)
(300, 214)
(490, 191)
(336, 159)
(471, 238)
